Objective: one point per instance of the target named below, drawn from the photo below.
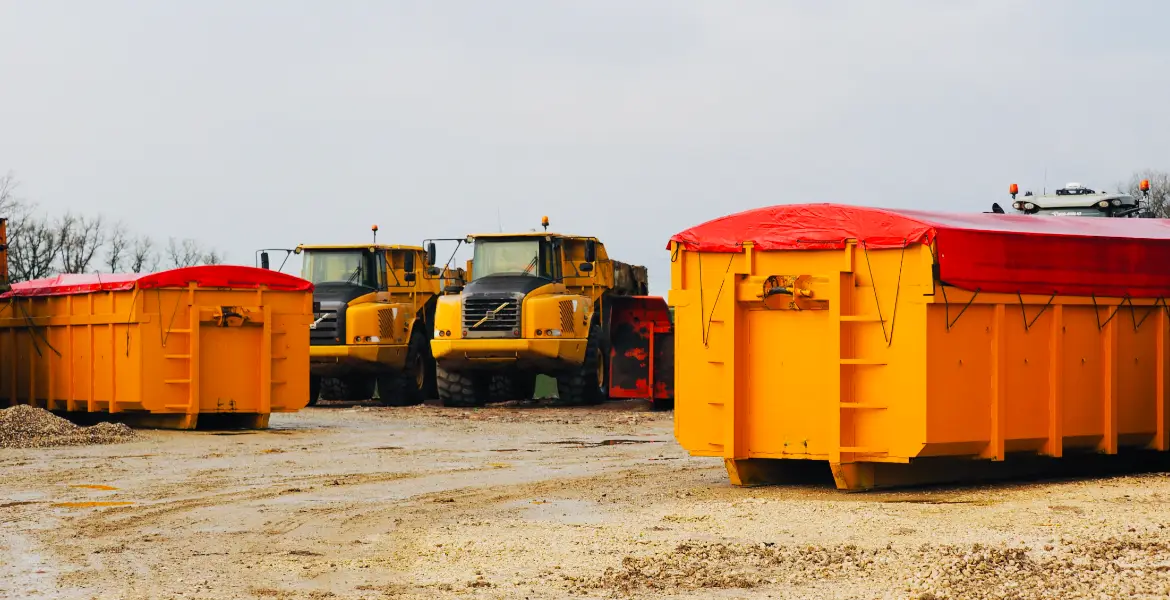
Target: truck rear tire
(359, 387)
(512, 386)
(584, 384)
(468, 389)
(314, 389)
(411, 385)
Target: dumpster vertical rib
(729, 348)
(1109, 361)
(71, 399)
(13, 361)
(193, 344)
(999, 368)
(91, 402)
(266, 363)
(50, 367)
(113, 366)
(32, 364)
(1161, 442)
(1055, 444)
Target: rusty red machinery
(641, 357)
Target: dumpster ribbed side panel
(161, 356)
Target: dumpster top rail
(1002, 253)
(209, 276)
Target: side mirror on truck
(432, 254)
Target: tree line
(1159, 201)
(40, 245)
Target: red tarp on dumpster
(1029, 254)
(215, 276)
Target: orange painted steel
(861, 359)
(162, 357)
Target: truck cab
(373, 311)
(542, 303)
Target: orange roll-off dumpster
(210, 344)
(902, 347)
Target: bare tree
(117, 248)
(212, 257)
(33, 246)
(185, 253)
(1159, 190)
(9, 203)
(80, 238)
(143, 257)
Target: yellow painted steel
(379, 325)
(877, 369)
(542, 311)
(159, 357)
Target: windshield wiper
(353, 276)
(531, 264)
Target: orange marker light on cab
(1144, 185)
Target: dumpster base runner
(864, 476)
(144, 420)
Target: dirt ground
(423, 502)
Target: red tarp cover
(214, 276)
(1030, 254)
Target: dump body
(899, 339)
(168, 349)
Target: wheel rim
(420, 375)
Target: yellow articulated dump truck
(374, 308)
(544, 303)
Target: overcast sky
(259, 124)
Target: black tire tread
(462, 390)
(578, 387)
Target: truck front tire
(583, 385)
(462, 389)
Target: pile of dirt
(24, 426)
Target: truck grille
(326, 330)
(505, 319)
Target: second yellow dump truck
(552, 304)
(374, 307)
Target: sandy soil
(536, 503)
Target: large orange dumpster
(167, 349)
(905, 346)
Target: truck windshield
(340, 266)
(510, 257)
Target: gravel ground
(27, 427)
(538, 503)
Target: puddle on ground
(94, 486)
(584, 444)
(88, 504)
(20, 503)
(387, 448)
(928, 501)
